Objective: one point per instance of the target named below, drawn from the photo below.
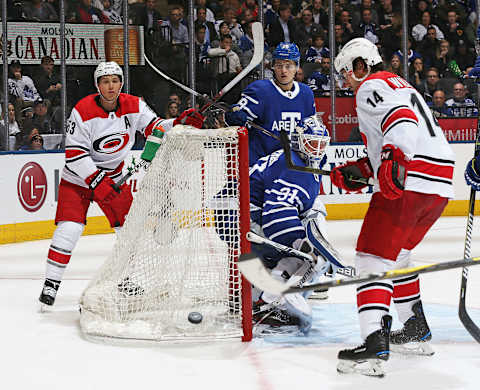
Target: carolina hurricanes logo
(111, 143)
(32, 186)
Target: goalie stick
(253, 269)
(465, 318)
(256, 239)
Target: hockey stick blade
(253, 269)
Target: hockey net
(177, 251)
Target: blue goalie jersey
(279, 196)
(273, 109)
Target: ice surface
(46, 350)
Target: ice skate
(413, 338)
(49, 292)
(367, 358)
(271, 315)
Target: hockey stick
(256, 239)
(253, 269)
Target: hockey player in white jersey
(285, 207)
(412, 165)
(278, 104)
(99, 135)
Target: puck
(195, 317)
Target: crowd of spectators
(441, 40)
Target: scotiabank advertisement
(346, 122)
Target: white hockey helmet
(310, 140)
(106, 69)
(357, 48)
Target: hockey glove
(471, 174)
(392, 172)
(191, 117)
(152, 144)
(319, 263)
(344, 175)
(102, 186)
(236, 117)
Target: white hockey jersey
(391, 111)
(96, 139)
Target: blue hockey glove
(471, 174)
(475, 72)
(236, 117)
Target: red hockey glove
(117, 209)
(190, 117)
(344, 175)
(392, 172)
(102, 186)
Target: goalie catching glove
(102, 186)
(344, 175)
(392, 173)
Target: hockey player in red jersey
(411, 164)
(99, 135)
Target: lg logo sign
(32, 186)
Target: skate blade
(262, 330)
(414, 348)
(44, 308)
(368, 367)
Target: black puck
(195, 317)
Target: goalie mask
(310, 140)
(107, 69)
(357, 48)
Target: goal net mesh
(176, 253)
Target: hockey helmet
(357, 48)
(106, 69)
(310, 140)
(287, 51)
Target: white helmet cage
(357, 48)
(310, 140)
(106, 69)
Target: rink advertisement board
(85, 44)
(346, 122)
(30, 190)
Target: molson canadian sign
(85, 44)
(455, 129)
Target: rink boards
(30, 188)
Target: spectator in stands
(453, 30)
(395, 66)
(248, 5)
(177, 57)
(319, 81)
(345, 20)
(223, 30)
(110, 13)
(210, 32)
(300, 75)
(48, 82)
(385, 14)
(84, 12)
(463, 57)
(148, 17)
(305, 30)
(444, 7)
(229, 18)
(179, 31)
(29, 133)
(317, 51)
(246, 45)
(41, 119)
(13, 127)
(35, 142)
(340, 38)
(271, 13)
(430, 84)
(210, 16)
(366, 4)
(201, 43)
(428, 46)
(283, 29)
(415, 13)
(442, 58)
(417, 73)
(437, 105)
(366, 27)
(412, 54)
(21, 89)
(172, 110)
(420, 30)
(40, 11)
(461, 105)
(391, 36)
